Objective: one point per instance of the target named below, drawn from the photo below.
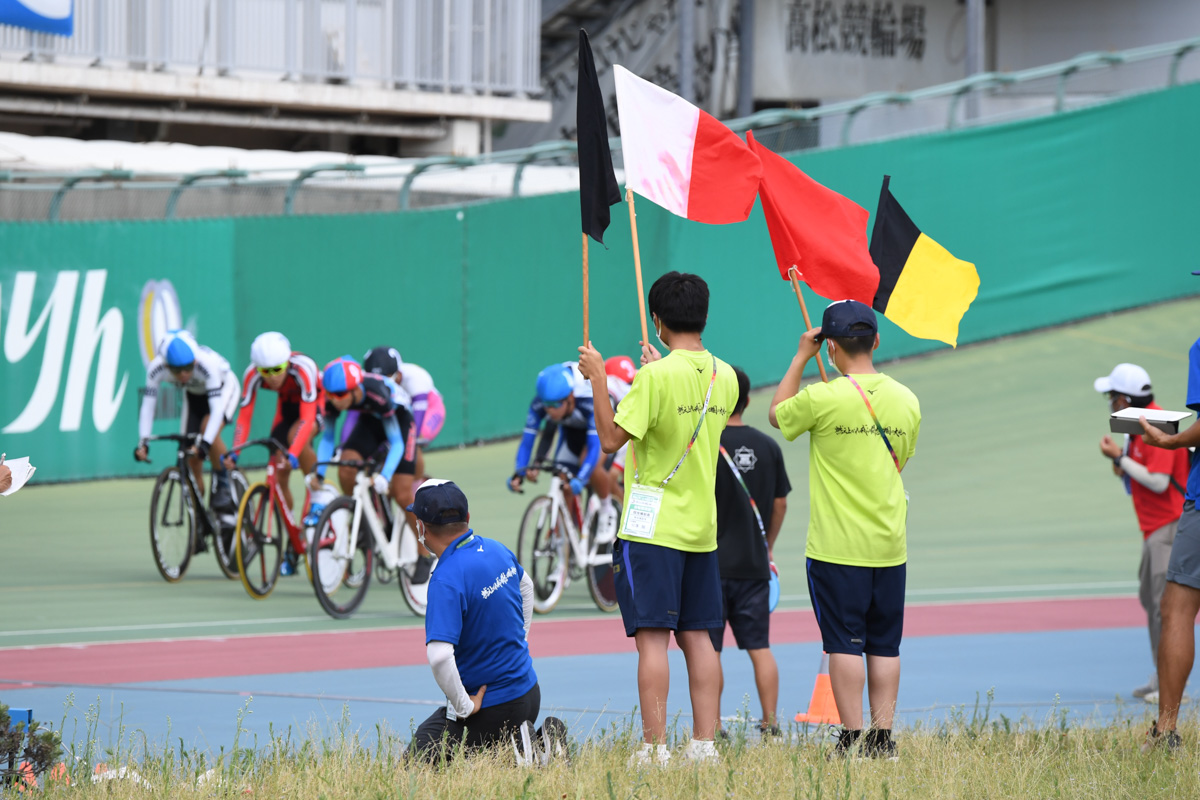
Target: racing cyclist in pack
(294, 376)
(620, 371)
(384, 425)
(423, 399)
(564, 398)
(210, 393)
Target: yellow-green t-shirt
(857, 507)
(660, 414)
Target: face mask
(658, 333)
(421, 533)
(829, 359)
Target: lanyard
(753, 505)
(695, 433)
(875, 419)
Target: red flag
(816, 230)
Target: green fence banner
(1065, 217)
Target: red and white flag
(682, 158)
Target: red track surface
(186, 659)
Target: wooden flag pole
(637, 264)
(585, 291)
(793, 273)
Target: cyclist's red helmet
(342, 375)
(620, 367)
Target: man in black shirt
(752, 488)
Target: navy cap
(439, 502)
(843, 315)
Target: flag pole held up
(794, 273)
(637, 264)
(585, 290)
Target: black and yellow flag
(922, 288)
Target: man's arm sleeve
(241, 431)
(795, 415)
(1193, 384)
(445, 672)
(633, 412)
(533, 421)
(149, 400)
(395, 445)
(1157, 482)
(308, 421)
(783, 486)
(325, 447)
(527, 601)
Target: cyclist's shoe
(552, 737)
(222, 498)
(287, 565)
(606, 525)
(422, 569)
(201, 545)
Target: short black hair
(449, 529)
(743, 390)
(1136, 402)
(680, 299)
(856, 345)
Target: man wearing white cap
(1155, 478)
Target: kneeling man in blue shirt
(476, 625)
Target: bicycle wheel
(600, 576)
(172, 525)
(414, 565)
(340, 577)
(224, 536)
(258, 545)
(542, 552)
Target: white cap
(270, 349)
(1127, 379)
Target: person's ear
(876, 345)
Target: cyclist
(275, 366)
(384, 428)
(564, 398)
(423, 399)
(620, 371)
(210, 392)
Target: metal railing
(487, 46)
(415, 183)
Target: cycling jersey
(301, 387)
(381, 398)
(578, 427)
(418, 384)
(212, 379)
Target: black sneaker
(553, 739)
(879, 744)
(722, 734)
(846, 744)
(768, 731)
(1154, 738)
(422, 569)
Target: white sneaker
(1150, 687)
(650, 755)
(702, 751)
(1151, 698)
(606, 527)
(524, 749)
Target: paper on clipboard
(22, 471)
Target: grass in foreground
(960, 758)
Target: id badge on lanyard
(645, 502)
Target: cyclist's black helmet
(382, 361)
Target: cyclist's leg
(367, 439)
(346, 475)
(284, 429)
(194, 418)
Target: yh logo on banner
(47, 16)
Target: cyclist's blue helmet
(553, 384)
(342, 375)
(178, 349)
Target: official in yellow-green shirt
(665, 560)
(863, 429)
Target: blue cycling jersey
(581, 418)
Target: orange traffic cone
(822, 710)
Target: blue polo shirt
(475, 605)
(1193, 402)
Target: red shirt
(1156, 510)
(301, 387)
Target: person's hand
(576, 487)
(293, 461)
(141, 452)
(515, 482)
(200, 449)
(809, 346)
(230, 460)
(381, 484)
(649, 353)
(1110, 448)
(531, 474)
(1154, 436)
(313, 481)
(591, 363)
(5, 477)
(477, 699)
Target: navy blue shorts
(748, 612)
(859, 609)
(661, 587)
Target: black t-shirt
(741, 547)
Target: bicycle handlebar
(180, 438)
(269, 442)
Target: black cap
(840, 317)
(382, 361)
(439, 503)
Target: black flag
(597, 183)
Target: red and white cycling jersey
(301, 387)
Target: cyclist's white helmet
(270, 349)
(178, 348)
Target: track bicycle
(360, 533)
(558, 543)
(179, 518)
(264, 521)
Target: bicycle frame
(289, 521)
(188, 478)
(387, 547)
(573, 523)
